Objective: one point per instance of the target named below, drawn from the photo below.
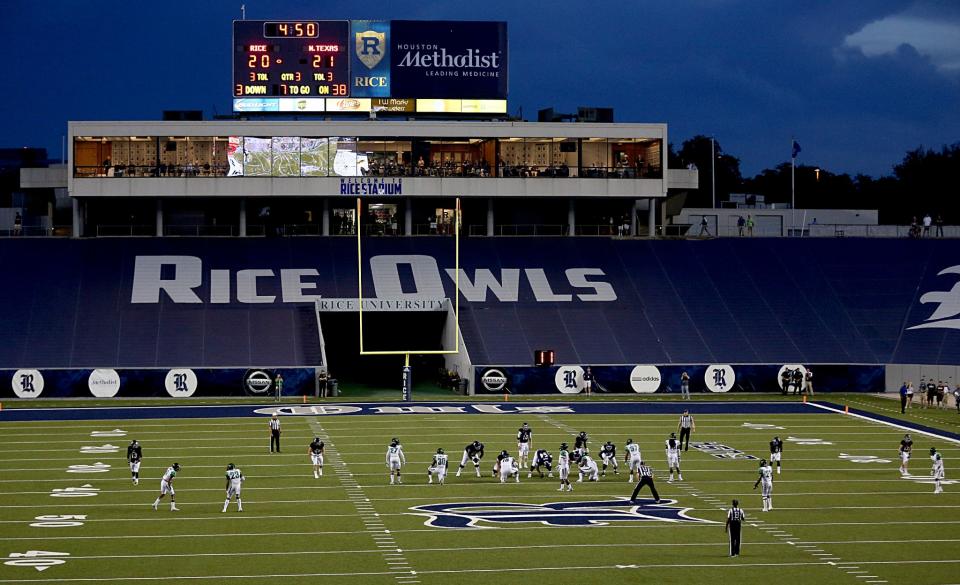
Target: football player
(395, 460)
(588, 467)
(500, 457)
(673, 456)
(316, 457)
(906, 447)
(632, 458)
(580, 443)
(508, 467)
(472, 452)
(234, 481)
(937, 470)
(608, 455)
(542, 458)
(438, 467)
(166, 487)
(776, 449)
(524, 443)
(765, 480)
(563, 468)
(134, 455)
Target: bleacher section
(69, 303)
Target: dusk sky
(858, 83)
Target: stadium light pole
(713, 174)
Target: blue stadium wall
(74, 305)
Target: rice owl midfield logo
(594, 513)
(948, 305)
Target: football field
(842, 514)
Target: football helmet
(230, 466)
(176, 467)
(440, 451)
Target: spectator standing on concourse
(939, 224)
(750, 225)
(926, 225)
(741, 223)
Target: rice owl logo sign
(104, 383)
(493, 380)
(645, 379)
(569, 379)
(591, 513)
(257, 382)
(181, 383)
(719, 378)
(27, 383)
(948, 305)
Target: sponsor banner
(148, 383)
(493, 380)
(27, 383)
(393, 105)
(665, 379)
(104, 383)
(792, 368)
(258, 383)
(256, 105)
(719, 378)
(569, 379)
(349, 104)
(442, 59)
(370, 58)
(645, 379)
(181, 383)
(302, 105)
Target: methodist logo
(590, 513)
(493, 380)
(104, 383)
(948, 305)
(257, 382)
(27, 383)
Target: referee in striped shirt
(646, 478)
(274, 433)
(735, 519)
(685, 426)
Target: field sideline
(842, 514)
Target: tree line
(925, 181)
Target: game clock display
(291, 58)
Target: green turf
(859, 515)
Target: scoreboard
(369, 65)
(290, 59)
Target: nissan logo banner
(257, 382)
(493, 381)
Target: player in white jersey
(632, 458)
(765, 481)
(563, 468)
(439, 467)
(937, 470)
(315, 450)
(395, 460)
(166, 487)
(588, 467)
(508, 467)
(673, 456)
(235, 481)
